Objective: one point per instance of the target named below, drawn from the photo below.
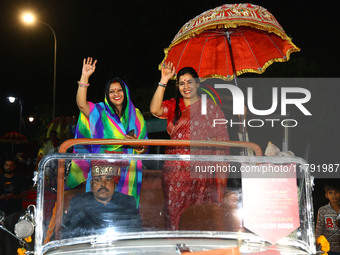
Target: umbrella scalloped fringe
(233, 24)
(13, 137)
(231, 77)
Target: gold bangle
(140, 151)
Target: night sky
(128, 38)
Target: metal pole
(21, 102)
(9, 232)
(285, 143)
(234, 71)
(54, 67)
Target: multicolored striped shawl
(103, 122)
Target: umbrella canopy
(13, 137)
(228, 40)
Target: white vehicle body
(226, 232)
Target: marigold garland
(28, 239)
(21, 251)
(324, 244)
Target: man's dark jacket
(87, 216)
(14, 185)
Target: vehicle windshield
(264, 200)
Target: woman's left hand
(138, 147)
(131, 137)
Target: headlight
(25, 226)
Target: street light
(29, 18)
(11, 99)
(21, 103)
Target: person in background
(52, 144)
(327, 224)
(71, 127)
(13, 187)
(185, 122)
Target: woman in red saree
(185, 122)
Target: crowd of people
(113, 191)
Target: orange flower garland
(324, 244)
(28, 239)
(21, 251)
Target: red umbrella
(13, 137)
(228, 40)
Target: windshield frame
(304, 182)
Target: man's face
(9, 166)
(103, 188)
(333, 196)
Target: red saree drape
(180, 189)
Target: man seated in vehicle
(103, 208)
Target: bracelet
(162, 84)
(83, 84)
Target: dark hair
(107, 92)
(8, 157)
(184, 70)
(53, 132)
(331, 186)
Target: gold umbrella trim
(232, 24)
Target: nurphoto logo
(239, 104)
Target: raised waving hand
(89, 66)
(167, 71)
